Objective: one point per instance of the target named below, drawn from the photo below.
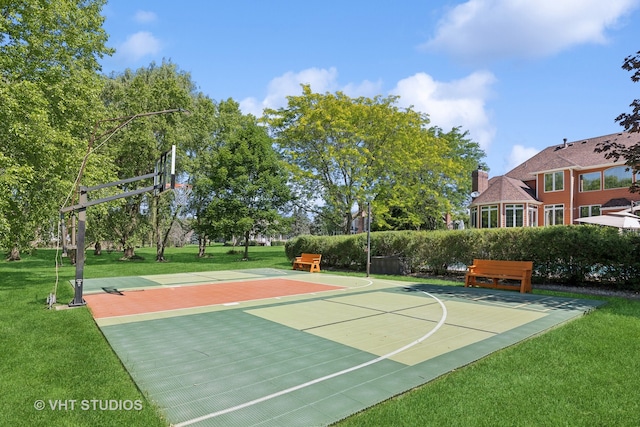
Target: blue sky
(519, 75)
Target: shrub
(561, 254)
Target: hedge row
(561, 254)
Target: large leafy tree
(142, 97)
(419, 200)
(244, 176)
(207, 125)
(631, 123)
(49, 87)
(347, 152)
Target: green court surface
(310, 358)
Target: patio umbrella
(615, 219)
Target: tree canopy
(136, 147)
(49, 87)
(241, 182)
(346, 152)
(631, 123)
(330, 152)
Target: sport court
(268, 347)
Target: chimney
(479, 180)
(564, 142)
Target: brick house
(556, 186)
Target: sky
(517, 75)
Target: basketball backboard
(166, 171)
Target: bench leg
(469, 281)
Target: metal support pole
(368, 238)
(63, 234)
(73, 231)
(82, 219)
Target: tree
(435, 188)
(351, 151)
(631, 123)
(300, 223)
(137, 147)
(246, 179)
(49, 85)
(210, 126)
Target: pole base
(74, 303)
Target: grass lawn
(584, 373)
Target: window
(554, 215)
(590, 181)
(617, 177)
(514, 215)
(554, 181)
(591, 210)
(533, 216)
(489, 216)
(473, 223)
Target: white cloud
(138, 45)
(365, 88)
(143, 17)
(458, 103)
(518, 155)
(494, 29)
(321, 80)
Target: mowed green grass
(61, 359)
(584, 373)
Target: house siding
(554, 197)
(573, 160)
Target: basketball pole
(80, 237)
(368, 238)
(159, 177)
(81, 191)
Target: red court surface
(180, 297)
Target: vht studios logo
(88, 405)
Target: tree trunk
(98, 249)
(163, 243)
(202, 244)
(160, 253)
(14, 254)
(246, 246)
(159, 243)
(129, 252)
(349, 218)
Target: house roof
(617, 203)
(505, 189)
(577, 154)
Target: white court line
(363, 286)
(318, 380)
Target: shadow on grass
(40, 265)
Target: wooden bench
(498, 271)
(309, 262)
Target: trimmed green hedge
(561, 254)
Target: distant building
(556, 186)
(359, 223)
